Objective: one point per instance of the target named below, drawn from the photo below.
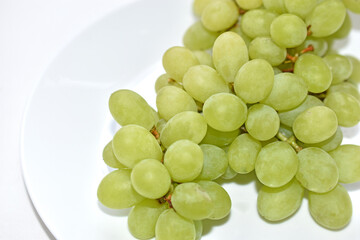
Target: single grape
(109, 157)
(197, 37)
(246, 4)
(204, 58)
(300, 8)
(355, 75)
(265, 48)
(218, 138)
(352, 5)
(237, 29)
(165, 80)
(345, 87)
(215, 162)
(345, 28)
(340, 66)
(200, 5)
(256, 23)
(198, 229)
(275, 5)
(229, 174)
(329, 144)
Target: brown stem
(310, 48)
(155, 132)
(243, 129)
(242, 11)
(290, 70)
(309, 32)
(291, 140)
(292, 58)
(170, 80)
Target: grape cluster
(256, 87)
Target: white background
(32, 32)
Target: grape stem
(290, 70)
(309, 48)
(170, 80)
(242, 11)
(155, 132)
(243, 129)
(291, 140)
(292, 58)
(309, 32)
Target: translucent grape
(229, 174)
(252, 85)
(345, 28)
(352, 5)
(218, 138)
(300, 8)
(355, 75)
(345, 87)
(340, 66)
(200, 5)
(276, 204)
(275, 5)
(347, 158)
(329, 144)
(165, 80)
(215, 162)
(198, 229)
(197, 37)
(133, 143)
(333, 209)
(256, 23)
(224, 112)
(320, 46)
(246, 4)
(237, 29)
(265, 48)
(115, 190)
(276, 164)
(204, 58)
(109, 157)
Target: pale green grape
(184, 125)
(128, 107)
(275, 204)
(133, 143)
(262, 122)
(333, 209)
(317, 170)
(109, 157)
(202, 81)
(172, 100)
(315, 72)
(165, 80)
(288, 30)
(143, 217)
(276, 164)
(252, 85)
(197, 37)
(246, 4)
(215, 162)
(177, 60)
(347, 158)
(220, 15)
(237, 29)
(218, 138)
(171, 225)
(265, 48)
(287, 118)
(150, 178)
(115, 190)
(160, 125)
(352, 5)
(200, 5)
(300, 8)
(224, 112)
(184, 160)
(288, 92)
(204, 58)
(340, 66)
(345, 87)
(355, 75)
(329, 144)
(326, 18)
(315, 124)
(276, 70)
(229, 54)
(275, 5)
(229, 174)
(221, 199)
(243, 152)
(346, 107)
(190, 200)
(256, 23)
(345, 28)
(198, 229)
(320, 46)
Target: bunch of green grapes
(256, 87)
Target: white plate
(67, 124)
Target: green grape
(184, 160)
(150, 178)
(202, 81)
(109, 157)
(115, 190)
(133, 143)
(333, 209)
(276, 164)
(221, 199)
(288, 30)
(315, 124)
(204, 58)
(256, 23)
(317, 170)
(265, 48)
(352, 5)
(276, 70)
(252, 85)
(165, 80)
(320, 46)
(200, 5)
(160, 125)
(329, 144)
(246, 4)
(218, 138)
(229, 54)
(197, 37)
(287, 118)
(128, 107)
(242, 153)
(346, 88)
(224, 112)
(215, 162)
(171, 225)
(184, 125)
(177, 60)
(345, 28)
(326, 18)
(355, 75)
(220, 15)
(237, 29)
(346, 107)
(300, 8)
(275, 5)
(190, 200)
(262, 122)
(143, 217)
(315, 72)
(276, 204)
(172, 100)
(229, 174)
(340, 66)
(347, 158)
(198, 229)
(288, 92)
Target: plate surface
(67, 124)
